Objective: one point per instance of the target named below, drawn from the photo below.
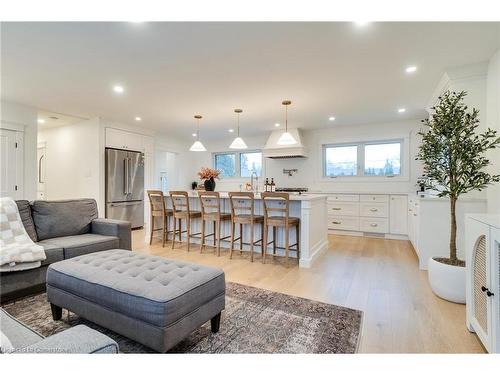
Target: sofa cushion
(53, 253)
(19, 334)
(83, 244)
(25, 213)
(152, 289)
(63, 218)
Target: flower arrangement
(208, 173)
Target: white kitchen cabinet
(483, 279)
(121, 139)
(398, 214)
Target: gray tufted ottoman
(150, 299)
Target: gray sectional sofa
(65, 229)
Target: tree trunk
(453, 232)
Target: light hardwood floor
(379, 277)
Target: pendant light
(238, 142)
(197, 145)
(286, 138)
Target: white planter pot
(447, 282)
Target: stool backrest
(241, 202)
(180, 201)
(283, 203)
(209, 202)
(157, 202)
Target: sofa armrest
(76, 340)
(118, 228)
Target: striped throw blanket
(17, 250)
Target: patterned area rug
(254, 321)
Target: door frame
(19, 136)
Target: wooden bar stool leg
(241, 239)
(215, 244)
(231, 247)
(166, 229)
(287, 233)
(297, 238)
(251, 242)
(217, 223)
(152, 229)
(188, 232)
(202, 242)
(274, 240)
(264, 242)
(163, 231)
(180, 230)
(173, 237)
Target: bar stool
(239, 202)
(210, 211)
(284, 221)
(158, 208)
(182, 211)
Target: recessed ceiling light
(402, 110)
(138, 118)
(277, 125)
(411, 69)
(361, 23)
(118, 89)
(331, 118)
(194, 134)
(41, 121)
(231, 130)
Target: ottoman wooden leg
(56, 312)
(215, 323)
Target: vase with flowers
(209, 175)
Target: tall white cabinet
(483, 278)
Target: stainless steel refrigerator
(125, 186)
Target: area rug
(254, 321)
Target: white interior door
(41, 155)
(9, 164)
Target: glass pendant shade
(197, 147)
(238, 143)
(286, 139)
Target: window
(363, 159)
(341, 161)
(383, 159)
(238, 164)
(226, 163)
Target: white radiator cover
(483, 278)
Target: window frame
(237, 155)
(403, 155)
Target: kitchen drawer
(373, 224)
(374, 209)
(343, 222)
(373, 198)
(343, 208)
(344, 197)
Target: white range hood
(275, 151)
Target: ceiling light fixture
(277, 125)
(411, 69)
(194, 134)
(402, 110)
(41, 121)
(118, 89)
(197, 145)
(361, 23)
(138, 118)
(231, 130)
(238, 143)
(331, 118)
(286, 138)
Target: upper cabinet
(121, 139)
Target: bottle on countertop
(266, 185)
(273, 185)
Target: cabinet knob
(373, 209)
(336, 222)
(373, 224)
(488, 293)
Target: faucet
(256, 186)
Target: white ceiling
(172, 71)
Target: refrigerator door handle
(129, 160)
(125, 177)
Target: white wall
(24, 118)
(310, 172)
(493, 121)
(73, 161)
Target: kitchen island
(311, 209)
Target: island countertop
(293, 197)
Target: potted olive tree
(453, 155)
